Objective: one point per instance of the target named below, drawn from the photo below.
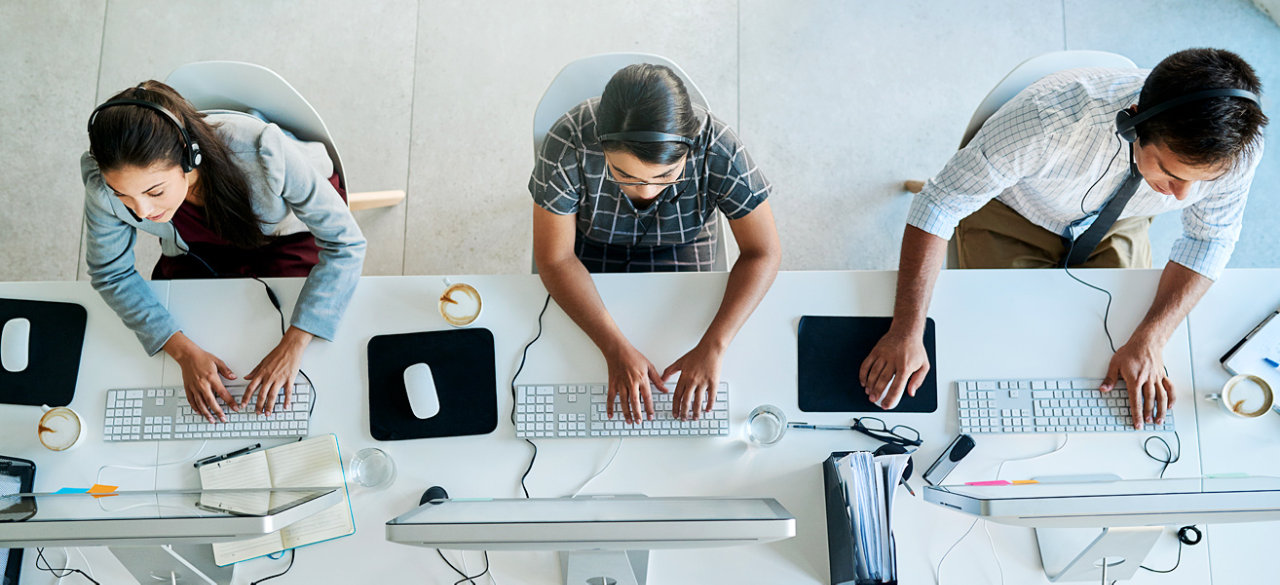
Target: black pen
(805, 425)
(236, 453)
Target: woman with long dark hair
(228, 195)
(632, 182)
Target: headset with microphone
(1127, 122)
(190, 149)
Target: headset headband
(1127, 123)
(190, 150)
(646, 136)
(1148, 113)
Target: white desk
(989, 324)
(1237, 302)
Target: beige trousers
(996, 236)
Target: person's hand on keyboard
(276, 372)
(699, 377)
(1140, 364)
(202, 374)
(897, 363)
(630, 374)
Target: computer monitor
(1084, 528)
(148, 530)
(602, 539)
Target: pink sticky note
(985, 483)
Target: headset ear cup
(1125, 128)
(195, 156)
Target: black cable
(1170, 457)
(1104, 174)
(1183, 538)
(465, 577)
(524, 355)
(59, 573)
(293, 555)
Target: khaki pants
(996, 236)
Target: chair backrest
(584, 79)
(1033, 70)
(239, 86)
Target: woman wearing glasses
(632, 182)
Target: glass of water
(766, 425)
(372, 468)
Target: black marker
(236, 453)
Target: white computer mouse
(14, 340)
(420, 385)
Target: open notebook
(314, 462)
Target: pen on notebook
(804, 425)
(236, 453)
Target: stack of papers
(871, 483)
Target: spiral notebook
(314, 462)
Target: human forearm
(1179, 290)
(922, 257)
(749, 280)
(570, 284)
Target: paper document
(872, 483)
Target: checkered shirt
(1041, 153)
(677, 232)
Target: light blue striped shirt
(1040, 153)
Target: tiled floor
(839, 101)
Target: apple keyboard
(554, 411)
(161, 414)
(1072, 405)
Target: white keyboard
(1072, 405)
(161, 414)
(550, 411)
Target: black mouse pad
(831, 350)
(53, 352)
(462, 365)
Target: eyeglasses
(877, 429)
(619, 183)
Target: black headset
(1127, 122)
(646, 136)
(190, 149)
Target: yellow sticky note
(1024, 481)
(101, 491)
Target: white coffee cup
(1245, 396)
(460, 304)
(60, 428)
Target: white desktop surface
(1237, 302)
(990, 324)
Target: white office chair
(584, 79)
(1022, 76)
(234, 85)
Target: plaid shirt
(1041, 153)
(571, 176)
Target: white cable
(187, 459)
(88, 568)
(616, 447)
(937, 573)
(1065, 437)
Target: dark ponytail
(651, 98)
(132, 136)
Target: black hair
(134, 136)
(1210, 132)
(646, 97)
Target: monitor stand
(1085, 554)
(605, 567)
(190, 564)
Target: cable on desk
(293, 555)
(465, 577)
(1170, 456)
(155, 480)
(616, 447)
(1065, 438)
(986, 527)
(1184, 537)
(63, 572)
(523, 356)
(937, 573)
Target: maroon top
(291, 255)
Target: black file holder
(840, 543)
